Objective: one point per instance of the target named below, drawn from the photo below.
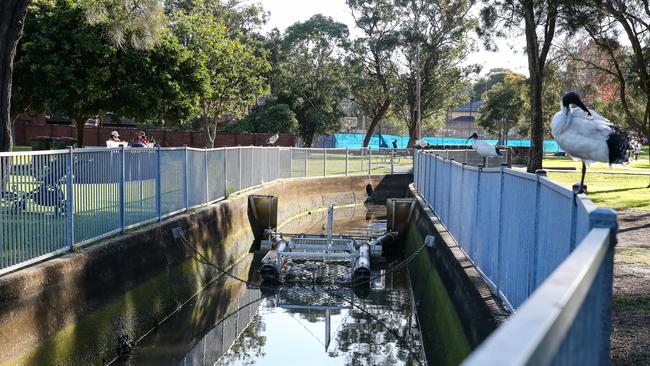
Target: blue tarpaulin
(355, 140)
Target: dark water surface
(232, 323)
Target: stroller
(47, 190)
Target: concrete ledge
(480, 311)
(86, 307)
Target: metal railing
(471, 157)
(53, 201)
(546, 254)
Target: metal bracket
(429, 241)
(178, 232)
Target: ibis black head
(573, 98)
(474, 136)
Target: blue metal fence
(52, 201)
(543, 252)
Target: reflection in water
(332, 327)
(230, 324)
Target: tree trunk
(412, 135)
(375, 121)
(209, 136)
(12, 20)
(80, 122)
(536, 153)
(309, 139)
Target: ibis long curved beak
(469, 138)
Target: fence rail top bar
(471, 167)
(525, 175)
(555, 187)
(533, 335)
(43, 152)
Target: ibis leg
(582, 179)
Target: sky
(286, 12)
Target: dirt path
(631, 315)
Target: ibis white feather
(586, 135)
(272, 140)
(484, 149)
(581, 135)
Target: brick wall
(97, 136)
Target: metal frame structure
(316, 247)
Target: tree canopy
(309, 74)
(69, 66)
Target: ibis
(422, 144)
(587, 136)
(483, 148)
(273, 139)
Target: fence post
(434, 158)
(392, 158)
(253, 183)
(362, 148)
(277, 162)
(207, 180)
(604, 218)
(369, 161)
(500, 230)
(425, 177)
(534, 254)
(225, 172)
(158, 185)
(122, 190)
(324, 162)
(574, 218)
(475, 214)
(447, 217)
(69, 199)
(346, 160)
(306, 153)
(239, 164)
(290, 162)
(185, 183)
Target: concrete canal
(279, 325)
(148, 298)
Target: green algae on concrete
(95, 339)
(445, 342)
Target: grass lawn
(21, 148)
(551, 162)
(357, 164)
(609, 190)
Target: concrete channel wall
(470, 310)
(87, 307)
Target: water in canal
(234, 323)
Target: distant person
(115, 137)
(394, 144)
(115, 141)
(140, 140)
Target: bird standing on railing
(586, 135)
(420, 144)
(483, 148)
(273, 139)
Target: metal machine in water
(326, 258)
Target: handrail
(523, 243)
(53, 201)
(534, 334)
